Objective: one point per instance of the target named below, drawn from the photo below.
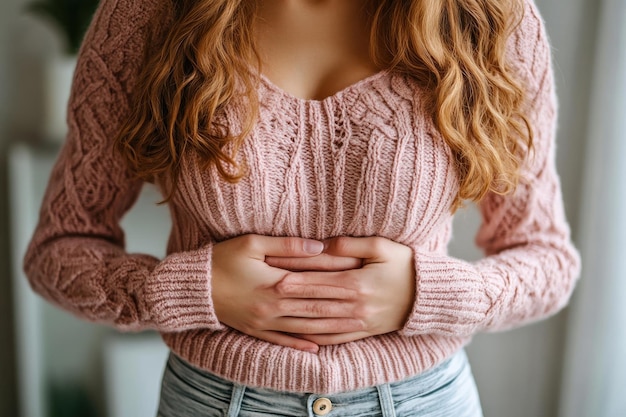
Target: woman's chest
(361, 163)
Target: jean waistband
(445, 390)
(417, 384)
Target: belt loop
(236, 399)
(386, 400)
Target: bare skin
(314, 48)
(297, 292)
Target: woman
(312, 154)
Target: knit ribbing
(369, 362)
(366, 161)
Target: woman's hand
(380, 294)
(321, 262)
(251, 296)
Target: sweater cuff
(450, 298)
(178, 293)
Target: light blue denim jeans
(448, 390)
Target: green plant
(72, 17)
(69, 399)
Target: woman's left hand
(380, 293)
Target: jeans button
(322, 406)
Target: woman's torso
(360, 157)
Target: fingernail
(312, 350)
(313, 247)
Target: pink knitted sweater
(365, 161)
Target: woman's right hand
(248, 297)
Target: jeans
(448, 390)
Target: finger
(282, 246)
(322, 262)
(295, 283)
(357, 247)
(283, 339)
(334, 339)
(318, 309)
(345, 285)
(317, 287)
(301, 326)
(318, 292)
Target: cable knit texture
(366, 161)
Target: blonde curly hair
(455, 49)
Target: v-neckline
(337, 94)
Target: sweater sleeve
(76, 258)
(530, 266)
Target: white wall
(24, 45)
(594, 378)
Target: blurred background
(572, 365)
